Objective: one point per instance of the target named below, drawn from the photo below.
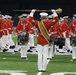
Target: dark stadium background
(7, 7)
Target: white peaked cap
(50, 16)
(74, 16)
(61, 19)
(20, 16)
(65, 17)
(43, 14)
(24, 15)
(4, 17)
(8, 16)
(1, 15)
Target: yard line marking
(11, 71)
(63, 73)
(18, 74)
(57, 74)
(39, 73)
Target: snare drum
(50, 39)
(60, 42)
(56, 41)
(73, 40)
(23, 39)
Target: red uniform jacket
(55, 29)
(0, 28)
(4, 28)
(63, 28)
(41, 40)
(52, 31)
(10, 26)
(30, 21)
(72, 27)
(23, 27)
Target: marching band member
(72, 27)
(31, 36)
(24, 28)
(64, 32)
(0, 29)
(67, 41)
(0, 25)
(42, 40)
(4, 39)
(7, 28)
(10, 31)
(17, 47)
(51, 31)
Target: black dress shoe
(29, 50)
(74, 59)
(68, 50)
(23, 57)
(43, 70)
(39, 70)
(12, 47)
(36, 51)
(49, 58)
(32, 47)
(4, 50)
(15, 51)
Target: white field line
(39, 73)
(63, 73)
(11, 71)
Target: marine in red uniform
(0, 25)
(4, 29)
(72, 27)
(42, 41)
(64, 33)
(17, 47)
(54, 34)
(10, 31)
(63, 29)
(24, 26)
(0, 29)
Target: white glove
(64, 34)
(54, 13)
(53, 10)
(32, 13)
(33, 10)
(50, 16)
(50, 34)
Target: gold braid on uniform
(43, 30)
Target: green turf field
(9, 61)
(60, 63)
